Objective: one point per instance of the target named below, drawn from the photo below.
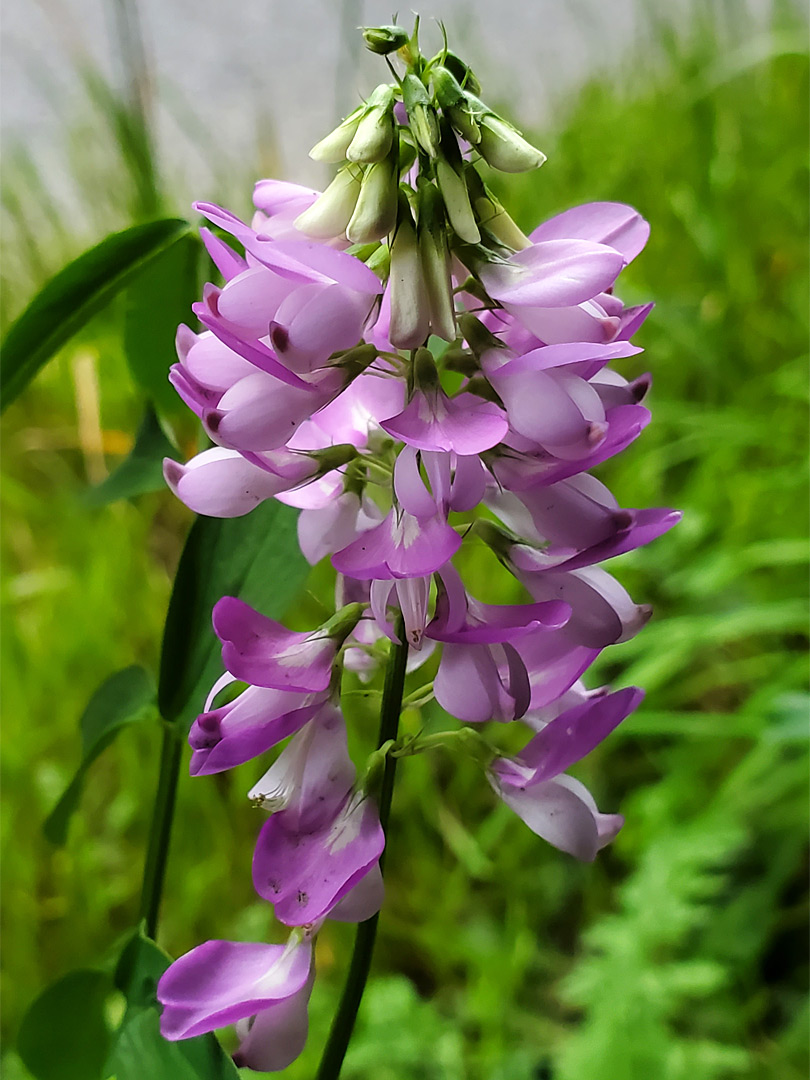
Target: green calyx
(343, 622)
(384, 40)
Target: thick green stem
(343, 1023)
(154, 871)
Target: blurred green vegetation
(682, 952)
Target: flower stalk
(157, 852)
(343, 1022)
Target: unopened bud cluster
(388, 356)
(409, 155)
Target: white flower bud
(504, 148)
(410, 312)
(375, 132)
(435, 259)
(421, 114)
(496, 221)
(375, 214)
(331, 212)
(457, 202)
(333, 147)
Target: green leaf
(156, 301)
(67, 301)
(142, 471)
(140, 1050)
(64, 1035)
(122, 699)
(255, 557)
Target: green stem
(343, 1023)
(154, 871)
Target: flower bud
(421, 114)
(465, 121)
(384, 40)
(331, 212)
(375, 214)
(333, 147)
(410, 312)
(448, 91)
(493, 217)
(457, 202)
(460, 109)
(504, 148)
(435, 260)
(496, 221)
(374, 133)
(461, 71)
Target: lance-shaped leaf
(256, 558)
(140, 472)
(157, 300)
(122, 699)
(139, 1049)
(67, 301)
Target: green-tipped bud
(333, 148)
(384, 40)
(375, 132)
(375, 214)
(421, 114)
(504, 148)
(462, 72)
(496, 221)
(457, 202)
(492, 216)
(448, 91)
(465, 121)
(331, 212)
(407, 151)
(435, 260)
(410, 313)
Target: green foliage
(123, 698)
(156, 303)
(255, 557)
(64, 1035)
(67, 301)
(141, 471)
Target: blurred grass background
(680, 954)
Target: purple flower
(256, 720)
(220, 983)
(401, 546)
(222, 483)
(261, 651)
(433, 421)
(324, 836)
(557, 807)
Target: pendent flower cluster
(387, 356)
